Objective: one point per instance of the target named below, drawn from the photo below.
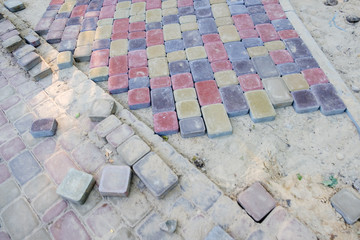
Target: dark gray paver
(24, 167)
(32, 40)
(45, 127)
(153, 25)
(236, 51)
(201, 4)
(243, 66)
(101, 109)
(183, 11)
(265, 67)
(201, 70)
(179, 67)
(304, 101)
(260, 18)
(234, 100)
(217, 233)
(347, 203)
(67, 45)
(207, 26)
(24, 124)
(162, 100)
(22, 51)
(256, 9)
(192, 127)
(330, 103)
(297, 48)
(252, 2)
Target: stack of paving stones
(197, 63)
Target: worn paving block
(101, 109)
(256, 201)
(153, 25)
(54, 37)
(256, 9)
(99, 58)
(267, 32)
(204, 13)
(294, 229)
(149, 229)
(174, 45)
(176, 56)
(238, 9)
(315, 76)
(121, 25)
(118, 65)
(118, 47)
(89, 25)
(306, 63)
(137, 58)
(265, 67)
(76, 186)
(14, 5)
(42, 27)
(244, 66)
(261, 109)
(216, 51)
(297, 48)
(278, 92)
(9, 35)
(126, 152)
(171, 32)
(188, 109)
(162, 100)
(119, 135)
(201, 70)
(228, 33)
(101, 44)
(234, 101)
(183, 11)
(24, 167)
(158, 67)
(137, 44)
(99, 74)
(9, 191)
(179, 67)
(260, 18)
(225, 78)
(86, 38)
(216, 120)
(220, 10)
(154, 37)
(64, 60)
(236, 51)
(155, 174)
(218, 233)
(22, 51)
(207, 92)
(248, 33)
(192, 39)
(274, 45)
(170, 19)
(195, 53)
(275, 11)
(243, 21)
(67, 45)
(295, 82)
(153, 15)
(45, 127)
(252, 42)
(183, 80)
(82, 54)
(138, 72)
(288, 68)
(155, 51)
(189, 27)
(58, 25)
(282, 24)
(221, 66)
(140, 82)
(281, 56)
(347, 203)
(74, 21)
(12, 43)
(286, 34)
(40, 71)
(185, 94)
(139, 98)
(207, 26)
(250, 82)
(160, 82)
(209, 38)
(165, 123)
(257, 51)
(192, 127)
(71, 33)
(330, 102)
(107, 125)
(304, 101)
(115, 181)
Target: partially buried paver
(305, 101)
(126, 152)
(218, 233)
(347, 203)
(115, 181)
(155, 174)
(261, 109)
(192, 127)
(330, 102)
(256, 201)
(278, 92)
(45, 127)
(76, 186)
(216, 120)
(101, 109)
(14, 5)
(162, 100)
(65, 60)
(234, 101)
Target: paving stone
(4, 235)
(304, 101)
(207, 26)
(170, 19)
(265, 67)
(189, 27)
(260, 18)
(274, 45)
(261, 109)
(71, 33)
(119, 135)
(40, 234)
(155, 51)
(63, 15)
(103, 32)
(99, 74)
(215, 51)
(24, 123)
(218, 233)
(78, 11)
(287, 34)
(88, 156)
(45, 127)
(5, 174)
(58, 25)
(235, 2)
(243, 66)
(74, 21)
(288, 68)
(121, 25)
(225, 78)
(45, 200)
(248, 33)
(281, 56)
(295, 82)
(158, 67)
(252, 2)
(257, 51)
(99, 58)
(160, 82)
(153, 15)
(69, 226)
(107, 126)
(118, 47)
(94, 6)
(282, 24)
(315, 76)
(179, 67)
(330, 102)
(306, 63)
(207, 92)
(19, 225)
(7, 104)
(153, 25)
(9, 35)
(129, 156)
(216, 120)
(203, 13)
(192, 39)
(12, 43)
(118, 84)
(140, 82)
(185, 94)
(58, 165)
(174, 45)
(256, 9)
(234, 101)
(209, 38)
(137, 58)
(139, 98)
(119, 35)
(82, 54)
(107, 12)
(11, 148)
(188, 109)
(6, 26)
(295, 230)
(85, 38)
(275, 11)
(201, 70)
(267, 32)
(9, 192)
(67, 45)
(154, 37)
(137, 44)
(165, 123)
(162, 100)
(65, 60)
(115, 181)
(192, 127)
(278, 92)
(138, 72)
(118, 65)
(236, 51)
(243, 21)
(297, 48)
(14, 5)
(101, 44)
(201, 4)
(183, 11)
(22, 51)
(220, 10)
(171, 32)
(228, 33)
(238, 9)
(221, 66)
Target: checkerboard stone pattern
(240, 54)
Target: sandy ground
(312, 145)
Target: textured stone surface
(261, 109)
(278, 92)
(119, 135)
(101, 109)
(207, 92)
(218, 233)
(139, 98)
(69, 226)
(330, 103)
(201, 70)
(192, 127)
(304, 101)
(165, 123)
(225, 78)
(24, 167)
(162, 100)
(187, 109)
(65, 60)
(295, 82)
(295, 230)
(216, 120)
(297, 48)
(126, 152)
(115, 181)
(234, 101)
(265, 67)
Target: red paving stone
(137, 58)
(215, 51)
(11, 148)
(243, 22)
(139, 96)
(118, 83)
(286, 34)
(160, 82)
(153, 4)
(219, 66)
(183, 80)
(4, 173)
(166, 123)
(154, 37)
(69, 227)
(250, 82)
(58, 166)
(136, 35)
(281, 56)
(99, 58)
(78, 11)
(137, 26)
(274, 11)
(45, 149)
(207, 92)
(248, 33)
(208, 38)
(315, 76)
(267, 32)
(121, 25)
(118, 65)
(119, 35)
(138, 72)
(107, 12)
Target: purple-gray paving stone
(178, 67)
(192, 39)
(288, 68)
(201, 4)
(50, 14)
(297, 48)
(153, 25)
(238, 9)
(256, 201)
(304, 101)
(235, 2)
(101, 44)
(306, 63)
(282, 24)
(32, 40)
(74, 21)
(43, 26)
(236, 51)
(24, 124)
(71, 32)
(94, 6)
(170, 19)
(203, 13)
(14, 5)
(234, 100)
(45, 127)
(183, 11)
(243, 66)
(330, 103)
(252, 42)
(89, 24)
(192, 127)
(217, 233)
(24, 167)
(115, 181)
(58, 25)
(260, 18)
(67, 45)
(252, 2)
(29, 61)
(155, 174)
(63, 15)
(162, 100)
(82, 2)
(137, 44)
(54, 37)
(265, 67)
(53, 7)
(201, 70)
(256, 9)
(119, 135)
(207, 26)
(139, 82)
(174, 45)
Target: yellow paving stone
(66, 7)
(153, 15)
(170, 11)
(118, 47)
(176, 56)
(220, 10)
(122, 14)
(261, 108)
(187, 19)
(185, 94)
(295, 82)
(86, 38)
(158, 67)
(224, 21)
(216, 120)
(226, 78)
(171, 32)
(189, 27)
(103, 32)
(155, 51)
(187, 109)
(137, 18)
(64, 59)
(123, 5)
(217, 1)
(83, 53)
(169, 4)
(137, 8)
(194, 53)
(228, 33)
(99, 74)
(104, 22)
(257, 51)
(274, 45)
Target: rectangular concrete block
(234, 101)
(29, 61)
(216, 120)
(40, 71)
(295, 82)
(330, 102)
(261, 109)
(188, 109)
(14, 5)
(304, 101)
(45, 127)
(265, 67)
(162, 100)
(119, 135)
(218, 233)
(99, 74)
(184, 94)
(278, 92)
(115, 181)
(347, 203)
(12, 43)
(192, 127)
(165, 123)
(65, 60)
(22, 51)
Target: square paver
(185, 94)
(188, 109)
(304, 101)
(297, 48)
(261, 109)
(234, 100)
(119, 135)
(216, 51)
(192, 127)
(65, 60)
(45, 127)
(165, 123)
(126, 152)
(162, 100)
(140, 82)
(282, 24)
(115, 181)
(236, 51)
(278, 92)
(250, 82)
(139, 98)
(330, 102)
(106, 126)
(11, 148)
(174, 45)
(69, 226)
(347, 203)
(192, 39)
(183, 80)
(267, 32)
(158, 67)
(24, 167)
(225, 78)
(221, 66)
(295, 82)
(315, 76)
(179, 67)
(306, 63)
(216, 120)
(118, 65)
(101, 109)
(281, 56)
(288, 68)
(208, 92)
(243, 66)
(201, 70)
(252, 42)
(160, 82)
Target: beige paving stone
(189, 27)
(170, 11)
(99, 74)
(123, 5)
(228, 33)
(224, 21)
(274, 45)
(65, 60)
(295, 82)
(137, 8)
(122, 13)
(220, 10)
(257, 51)
(226, 78)
(104, 22)
(185, 94)
(155, 51)
(217, 1)
(171, 32)
(118, 47)
(194, 53)
(176, 56)
(85, 38)
(169, 4)
(137, 18)
(261, 108)
(278, 92)
(187, 109)
(153, 15)
(66, 7)
(158, 67)
(103, 32)
(83, 53)
(216, 120)
(187, 19)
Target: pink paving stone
(139, 98)
(71, 32)
(208, 38)
(154, 37)
(4, 236)
(92, 14)
(166, 123)
(137, 58)
(185, 3)
(118, 65)
(137, 26)
(281, 56)
(45, 149)
(207, 92)
(99, 58)
(58, 166)
(248, 33)
(286, 34)
(180, 81)
(107, 12)
(315, 76)
(118, 83)
(250, 82)
(58, 25)
(54, 211)
(119, 35)
(215, 51)
(4, 173)
(121, 25)
(54, 37)
(103, 220)
(109, 2)
(243, 22)
(269, 1)
(153, 4)
(69, 227)
(136, 35)
(221, 66)
(267, 32)
(3, 118)
(274, 11)
(138, 72)
(160, 82)
(78, 11)
(11, 148)
(56, 2)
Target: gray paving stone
(179, 67)
(356, 185)
(12, 43)
(288, 68)
(252, 2)
(183, 11)
(306, 63)
(67, 45)
(297, 48)
(45, 127)
(107, 125)
(330, 103)
(201, 70)
(155, 174)
(282, 24)
(304, 101)
(19, 225)
(236, 51)
(278, 92)
(91, 202)
(14, 5)
(276, 219)
(137, 44)
(218, 233)
(139, 82)
(295, 230)
(201, 4)
(6, 26)
(36, 185)
(170, 19)
(124, 233)
(252, 42)
(101, 109)
(265, 67)
(32, 40)
(241, 227)
(207, 26)
(9, 190)
(88, 156)
(174, 45)
(192, 127)
(259, 235)
(29, 61)
(197, 227)
(45, 200)
(260, 18)
(24, 124)
(24, 167)
(238, 9)
(40, 71)
(115, 181)
(153, 25)
(119, 135)
(235, 2)
(162, 100)
(234, 100)
(347, 203)
(22, 51)
(243, 66)
(126, 152)
(41, 234)
(192, 39)
(256, 9)
(203, 13)
(76, 186)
